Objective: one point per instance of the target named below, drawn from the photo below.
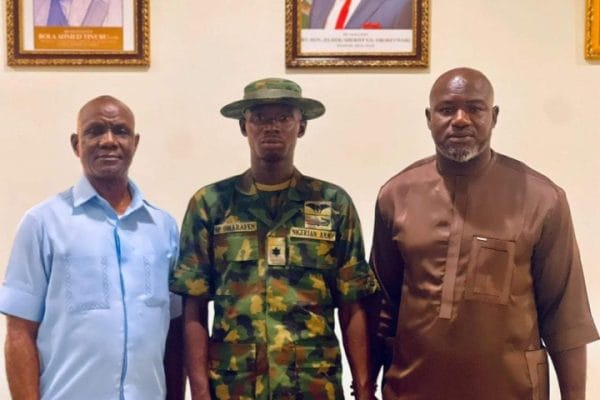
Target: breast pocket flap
(491, 267)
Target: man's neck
(271, 173)
(447, 166)
(115, 191)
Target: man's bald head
(108, 104)
(459, 80)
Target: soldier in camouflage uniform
(276, 252)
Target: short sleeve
(355, 279)
(192, 274)
(563, 308)
(24, 289)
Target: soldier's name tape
(235, 227)
(305, 233)
(301, 233)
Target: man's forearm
(571, 366)
(353, 322)
(174, 371)
(22, 360)
(195, 317)
(381, 320)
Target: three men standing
(474, 251)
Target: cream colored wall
(374, 126)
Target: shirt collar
(298, 185)
(83, 191)
(473, 167)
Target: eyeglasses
(285, 119)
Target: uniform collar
(83, 192)
(297, 190)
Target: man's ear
(428, 116)
(75, 143)
(302, 129)
(242, 122)
(495, 112)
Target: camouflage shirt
(274, 284)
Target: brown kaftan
(482, 271)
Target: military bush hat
(274, 91)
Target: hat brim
(311, 108)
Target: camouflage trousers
(260, 371)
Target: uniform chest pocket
(236, 246)
(86, 283)
(491, 267)
(312, 253)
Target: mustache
(461, 133)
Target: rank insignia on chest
(317, 214)
(276, 251)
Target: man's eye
(95, 130)
(446, 110)
(285, 118)
(120, 130)
(257, 118)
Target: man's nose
(461, 118)
(272, 123)
(108, 138)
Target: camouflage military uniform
(274, 284)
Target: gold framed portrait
(592, 29)
(78, 32)
(357, 33)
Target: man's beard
(460, 154)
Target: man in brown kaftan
(478, 260)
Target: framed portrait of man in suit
(592, 30)
(357, 33)
(77, 32)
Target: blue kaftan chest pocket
(86, 283)
(156, 279)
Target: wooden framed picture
(357, 33)
(592, 29)
(78, 32)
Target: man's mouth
(460, 137)
(109, 157)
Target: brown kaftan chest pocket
(491, 267)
